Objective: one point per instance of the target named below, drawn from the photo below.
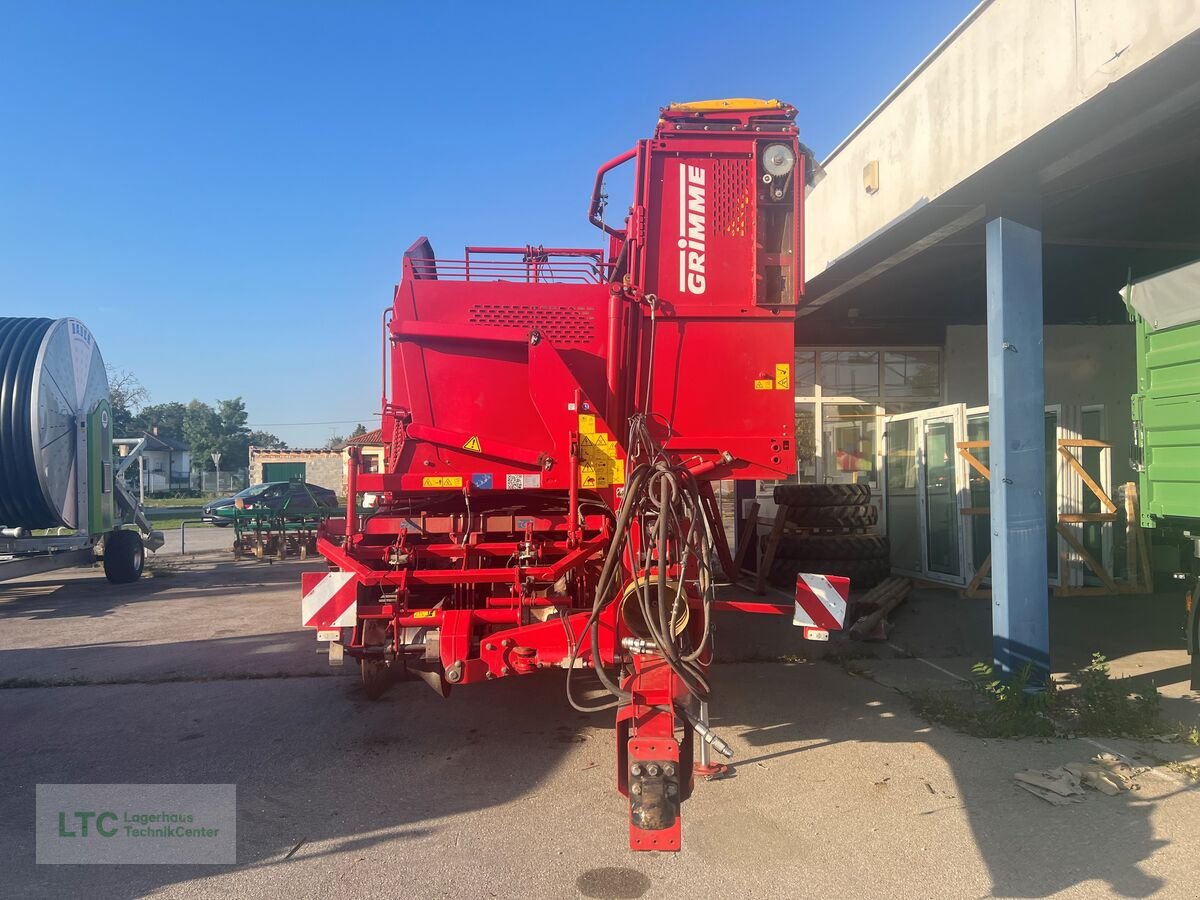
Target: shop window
(850, 373)
(908, 374)
(805, 377)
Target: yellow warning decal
(473, 444)
(597, 446)
(763, 384)
(783, 376)
(598, 463)
(442, 481)
(424, 613)
(587, 424)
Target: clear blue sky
(223, 190)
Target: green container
(1166, 408)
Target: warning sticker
(472, 444)
(587, 424)
(442, 481)
(597, 446)
(764, 384)
(482, 480)
(424, 613)
(516, 482)
(783, 376)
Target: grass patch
(1191, 771)
(1191, 735)
(1098, 705)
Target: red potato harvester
(554, 421)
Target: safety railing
(526, 265)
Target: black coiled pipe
(22, 502)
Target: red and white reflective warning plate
(820, 604)
(328, 599)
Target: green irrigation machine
(63, 498)
(1166, 421)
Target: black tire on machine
(124, 556)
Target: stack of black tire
(832, 535)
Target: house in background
(168, 463)
(371, 446)
(324, 468)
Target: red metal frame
(512, 379)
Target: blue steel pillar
(1017, 398)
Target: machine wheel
(860, 516)
(831, 546)
(822, 494)
(376, 677)
(124, 556)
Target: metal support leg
(705, 767)
(1016, 396)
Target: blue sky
(223, 191)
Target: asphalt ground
(200, 673)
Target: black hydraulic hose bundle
(672, 531)
(22, 502)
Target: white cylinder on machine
(52, 377)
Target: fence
(219, 482)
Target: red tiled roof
(370, 439)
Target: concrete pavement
(503, 790)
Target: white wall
(1013, 69)
(1085, 365)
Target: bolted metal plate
(69, 380)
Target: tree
(127, 396)
(202, 432)
(337, 442)
(359, 430)
(166, 417)
(266, 441)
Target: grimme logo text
(691, 229)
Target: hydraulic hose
(22, 502)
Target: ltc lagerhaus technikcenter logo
(136, 823)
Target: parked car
(279, 496)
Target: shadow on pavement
(823, 757)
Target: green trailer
(1166, 418)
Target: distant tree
(202, 432)
(127, 396)
(166, 417)
(359, 430)
(337, 442)
(266, 440)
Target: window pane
(806, 443)
(903, 505)
(850, 373)
(850, 436)
(911, 373)
(806, 373)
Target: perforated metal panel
(561, 324)
(732, 196)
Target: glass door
(980, 492)
(943, 521)
(901, 463)
(924, 493)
